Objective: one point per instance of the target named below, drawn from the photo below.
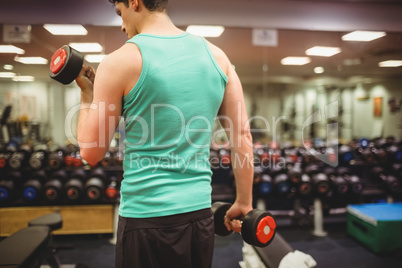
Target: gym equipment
(53, 222)
(4, 158)
(3, 123)
(305, 186)
(345, 154)
(225, 158)
(74, 187)
(392, 184)
(19, 158)
(265, 185)
(107, 160)
(339, 184)
(376, 226)
(295, 174)
(6, 190)
(321, 183)
(355, 184)
(65, 64)
(24, 248)
(38, 159)
(272, 255)
(281, 184)
(54, 186)
(32, 188)
(95, 185)
(56, 158)
(258, 226)
(111, 190)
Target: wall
(277, 112)
(317, 111)
(38, 102)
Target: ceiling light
(206, 31)
(318, 70)
(11, 49)
(31, 60)
(364, 36)
(295, 60)
(7, 75)
(94, 58)
(351, 62)
(23, 78)
(87, 47)
(390, 63)
(323, 51)
(8, 67)
(66, 29)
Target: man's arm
(234, 119)
(101, 100)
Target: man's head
(151, 5)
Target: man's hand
(234, 214)
(85, 80)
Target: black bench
(272, 254)
(24, 248)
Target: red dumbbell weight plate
(58, 60)
(258, 228)
(266, 229)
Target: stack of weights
(320, 181)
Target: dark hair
(151, 5)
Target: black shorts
(183, 240)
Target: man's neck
(158, 23)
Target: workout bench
(28, 247)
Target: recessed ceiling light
(295, 60)
(390, 63)
(87, 47)
(94, 58)
(66, 29)
(8, 67)
(7, 75)
(364, 36)
(318, 70)
(11, 49)
(323, 51)
(23, 78)
(351, 62)
(206, 31)
(31, 60)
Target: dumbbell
(6, 190)
(111, 191)
(32, 189)
(281, 184)
(74, 187)
(95, 185)
(53, 187)
(306, 186)
(65, 65)
(38, 159)
(258, 226)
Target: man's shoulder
(220, 56)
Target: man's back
(169, 115)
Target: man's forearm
(243, 168)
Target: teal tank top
(169, 116)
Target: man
(169, 86)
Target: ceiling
(300, 24)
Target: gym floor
(335, 250)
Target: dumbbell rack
(85, 217)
